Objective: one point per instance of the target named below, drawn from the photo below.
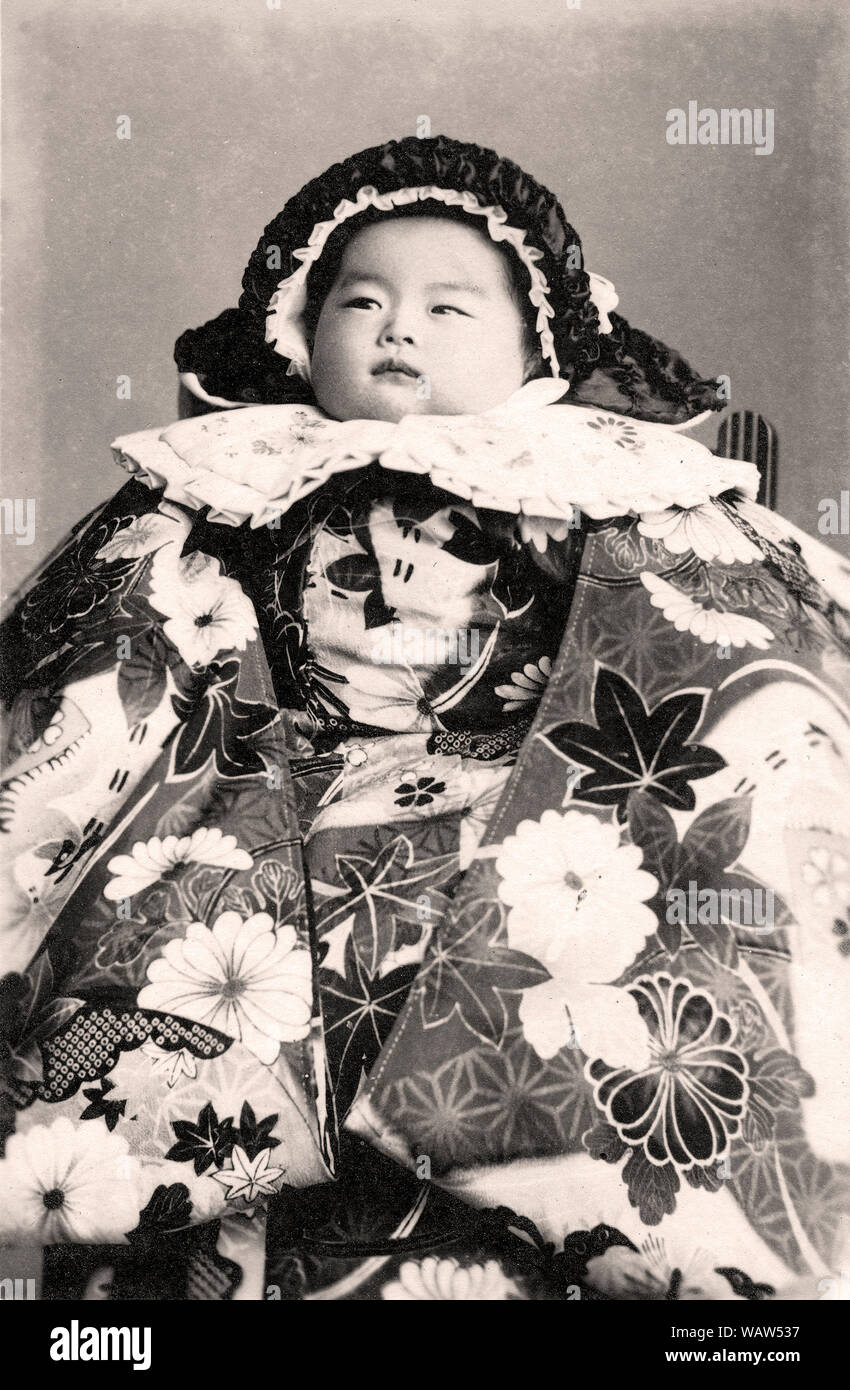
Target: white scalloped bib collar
(527, 456)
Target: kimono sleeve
(162, 1060)
(635, 1021)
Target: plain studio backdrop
(114, 246)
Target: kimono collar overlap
(529, 455)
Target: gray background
(113, 247)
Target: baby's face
(431, 295)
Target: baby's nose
(400, 327)
(393, 335)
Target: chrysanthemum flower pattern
(710, 625)
(652, 1273)
(443, 1280)
(578, 904)
(66, 1182)
(705, 530)
(622, 432)
(526, 685)
(151, 860)
(525, 1038)
(242, 977)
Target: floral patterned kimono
(426, 868)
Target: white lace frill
(528, 456)
(284, 326)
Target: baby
(424, 316)
(392, 666)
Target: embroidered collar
(528, 455)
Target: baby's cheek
(495, 369)
(476, 387)
(334, 360)
(333, 389)
(327, 397)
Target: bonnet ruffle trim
(284, 325)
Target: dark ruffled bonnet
(626, 370)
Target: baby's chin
(372, 408)
(392, 403)
(396, 410)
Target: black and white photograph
(425, 556)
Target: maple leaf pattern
(358, 1015)
(90, 650)
(634, 749)
(101, 1108)
(708, 849)
(253, 1134)
(37, 1016)
(249, 1178)
(206, 1142)
(219, 727)
(383, 889)
(142, 675)
(470, 975)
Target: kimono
(427, 870)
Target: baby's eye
(360, 301)
(450, 308)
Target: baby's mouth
(392, 367)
